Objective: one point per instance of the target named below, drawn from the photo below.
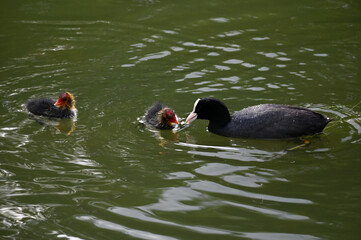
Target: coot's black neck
(219, 116)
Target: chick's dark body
(45, 107)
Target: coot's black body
(64, 107)
(260, 121)
(161, 116)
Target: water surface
(106, 176)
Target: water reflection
(232, 153)
(145, 216)
(279, 236)
(212, 187)
(271, 212)
(209, 186)
(104, 224)
(15, 215)
(165, 136)
(172, 200)
(66, 126)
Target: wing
(279, 121)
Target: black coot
(64, 107)
(260, 121)
(161, 116)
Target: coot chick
(161, 116)
(64, 107)
(260, 121)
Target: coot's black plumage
(161, 116)
(64, 107)
(260, 121)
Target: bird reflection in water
(164, 137)
(66, 126)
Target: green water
(106, 176)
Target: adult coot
(260, 121)
(161, 116)
(64, 107)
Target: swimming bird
(64, 107)
(161, 116)
(260, 121)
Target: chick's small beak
(58, 103)
(192, 116)
(174, 120)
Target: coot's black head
(167, 118)
(211, 109)
(66, 100)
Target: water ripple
(279, 236)
(218, 169)
(155, 56)
(211, 187)
(172, 199)
(100, 223)
(233, 153)
(19, 215)
(271, 212)
(133, 213)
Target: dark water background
(107, 177)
